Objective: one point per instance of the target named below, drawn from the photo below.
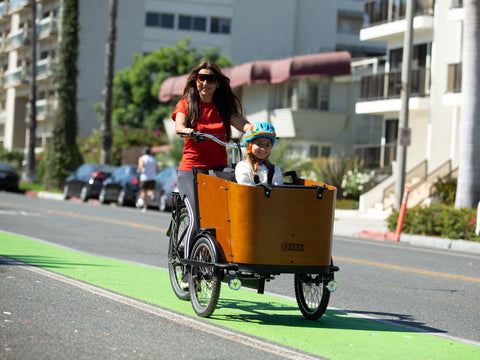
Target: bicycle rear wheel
(176, 269)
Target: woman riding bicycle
(209, 106)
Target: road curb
(425, 241)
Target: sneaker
(144, 209)
(184, 284)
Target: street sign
(405, 136)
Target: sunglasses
(210, 78)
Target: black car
(165, 183)
(86, 181)
(122, 186)
(9, 177)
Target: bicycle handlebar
(199, 136)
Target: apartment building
(435, 99)
(244, 30)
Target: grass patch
(28, 186)
(345, 204)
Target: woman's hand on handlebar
(189, 133)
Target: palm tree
(63, 154)
(468, 186)
(107, 133)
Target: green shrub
(438, 220)
(445, 190)
(14, 157)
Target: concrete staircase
(421, 181)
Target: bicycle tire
(204, 281)
(176, 269)
(312, 295)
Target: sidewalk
(373, 225)
(367, 225)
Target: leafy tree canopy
(136, 88)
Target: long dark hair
(226, 101)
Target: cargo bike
(249, 234)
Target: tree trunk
(468, 186)
(107, 135)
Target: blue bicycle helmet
(260, 129)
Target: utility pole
(107, 135)
(403, 129)
(32, 122)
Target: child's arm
(277, 176)
(243, 173)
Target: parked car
(165, 184)
(122, 186)
(86, 181)
(9, 177)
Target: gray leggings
(187, 193)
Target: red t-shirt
(207, 154)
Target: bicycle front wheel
(204, 281)
(312, 295)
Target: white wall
(93, 19)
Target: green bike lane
(334, 336)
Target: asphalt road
(429, 290)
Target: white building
(244, 30)
(435, 101)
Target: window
(162, 20)
(349, 23)
(326, 151)
(220, 25)
(193, 23)
(318, 95)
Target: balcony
(380, 93)
(384, 20)
(47, 27)
(44, 68)
(384, 11)
(17, 40)
(45, 108)
(17, 77)
(389, 85)
(18, 6)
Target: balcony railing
(44, 67)
(454, 78)
(20, 38)
(17, 3)
(384, 11)
(47, 26)
(19, 75)
(45, 107)
(389, 85)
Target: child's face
(261, 147)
